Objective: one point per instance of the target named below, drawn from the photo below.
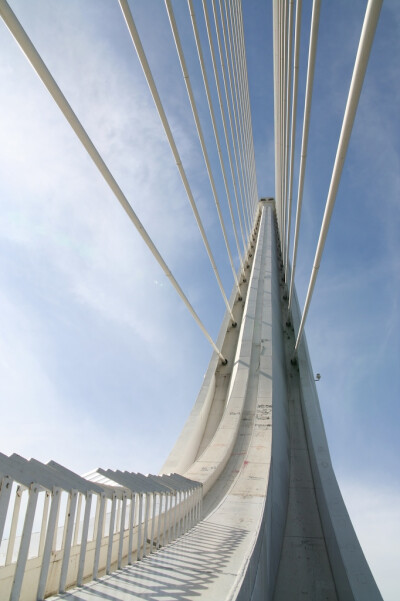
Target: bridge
(246, 505)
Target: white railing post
(84, 538)
(77, 520)
(174, 530)
(25, 542)
(153, 517)
(159, 517)
(43, 528)
(145, 527)
(165, 534)
(185, 511)
(139, 535)
(132, 516)
(5, 492)
(68, 529)
(122, 529)
(179, 512)
(99, 525)
(111, 532)
(14, 522)
(48, 545)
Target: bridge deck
(198, 565)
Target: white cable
(280, 68)
(192, 101)
(224, 124)
(225, 78)
(36, 61)
(239, 109)
(214, 124)
(246, 79)
(241, 171)
(284, 124)
(275, 31)
(249, 113)
(278, 35)
(246, 100)
(306, 125)
(157, 100)
(360, 66)
(287, 118)
(239, 97)
(293, 122)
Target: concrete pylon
(255, 439)
(272, 525)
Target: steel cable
(157, 100)
(224, 124)
(293, 123)
(360, 66)
(214, 124)
(236, 136)
(306, 126)
(44, 74)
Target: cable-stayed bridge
(248, 493)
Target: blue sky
(100, 362)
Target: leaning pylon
(256, 441)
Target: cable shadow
(182, 571)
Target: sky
(100, 362)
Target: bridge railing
(59, 529)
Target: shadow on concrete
(182, 571)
